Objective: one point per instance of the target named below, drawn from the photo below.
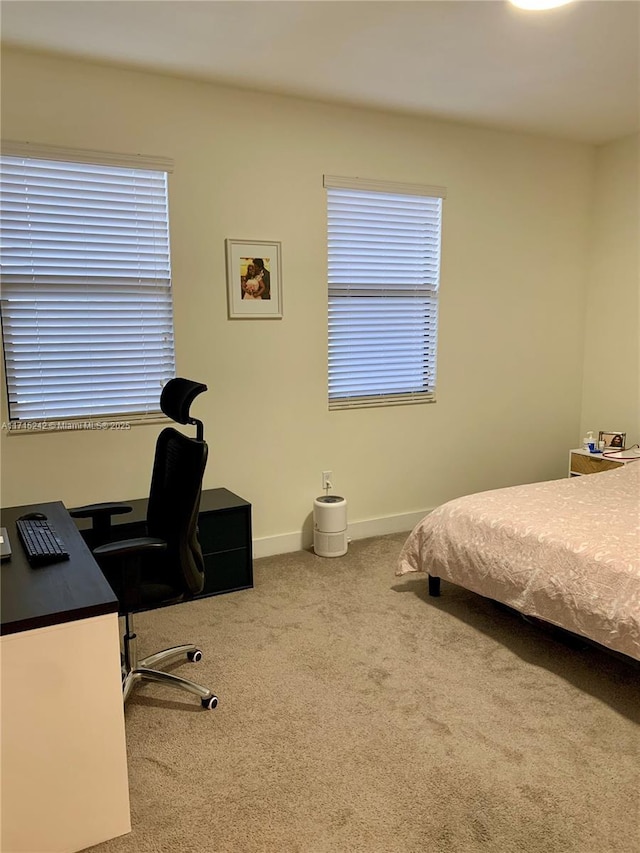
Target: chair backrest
(176, 487)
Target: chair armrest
(100, 515)
(99, 511)
(127, 547)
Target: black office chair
(166, 566)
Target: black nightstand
(224, 528)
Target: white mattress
(565, 551)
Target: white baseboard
(287, 542)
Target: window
(384, 271)
(87, 314)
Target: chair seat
(156, 593)
(148, 593)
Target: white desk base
(64, 760)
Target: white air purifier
(330, 526)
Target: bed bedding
(564, 551)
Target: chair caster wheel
(196, 656)
(210, 703)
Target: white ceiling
(571, 72)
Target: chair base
(134, 671)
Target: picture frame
(254, 279)
(613, 440)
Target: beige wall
(611, 399)
(250, 166)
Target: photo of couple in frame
(254, 287)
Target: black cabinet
(224, 528)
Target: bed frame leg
(434, 586)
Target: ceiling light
(534, 5)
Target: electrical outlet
(327, 477)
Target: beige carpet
(357, 715)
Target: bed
(564, 551)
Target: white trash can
(330, 526)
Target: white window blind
(87, 313)
(384, 272)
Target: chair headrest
(177, 397)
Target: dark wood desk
(63, 736)
(60, 592)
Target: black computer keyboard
(40, 541)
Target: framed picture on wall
(254, 280)
(612, 440)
